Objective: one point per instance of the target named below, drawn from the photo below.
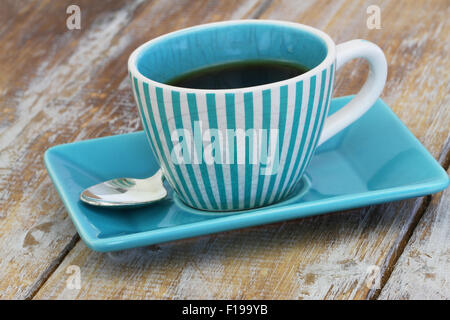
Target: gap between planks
(44, 276)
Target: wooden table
(48, 96)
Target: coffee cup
(242, 148)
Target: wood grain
(57, 86)
(423, 270)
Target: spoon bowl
(126, 192)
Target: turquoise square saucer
(376, 159)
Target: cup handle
(370, 91)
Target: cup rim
(330, 45)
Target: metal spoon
(126, 192)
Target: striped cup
(244, 148)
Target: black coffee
(238, 75)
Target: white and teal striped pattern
(297, 109)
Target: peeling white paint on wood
(423, 270)
(37, 226)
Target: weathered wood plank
(423, 270)
(58, 86)
(330, 256)
(34, 59)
